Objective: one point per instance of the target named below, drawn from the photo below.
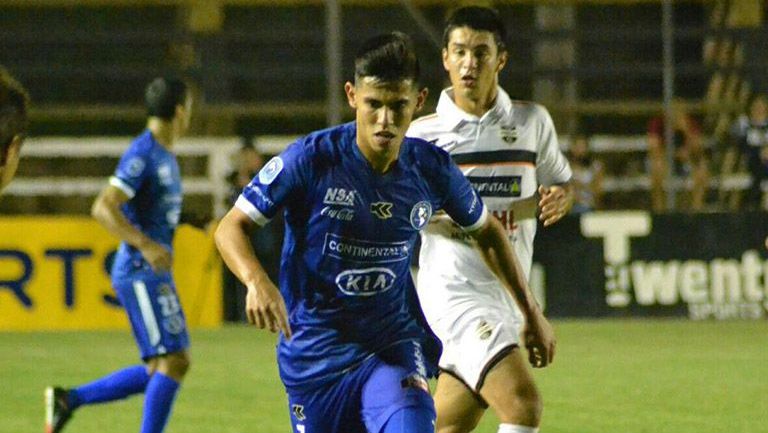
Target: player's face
(383, 112)
(8, 169)
(473, 61)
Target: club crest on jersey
(382, 209)
(340, 196)
(165, 173)
(509, 134)
(269, 172)
(420, 214)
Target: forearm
(112, 218)
(502, 260)
(237, 252)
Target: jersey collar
(456, 117)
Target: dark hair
(163, 95)
(14, 107)
(477, 18)
(389, 57)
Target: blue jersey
(149, 175)
(349, 234)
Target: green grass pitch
(610, 376)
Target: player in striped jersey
(508, 150)
(142, 205)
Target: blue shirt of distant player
(149, 175)
(349, 234)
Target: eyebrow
(460, 45)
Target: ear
(421, 98)
(445, 60)
(503, 57)
(349, 89)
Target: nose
(386, 116)
(469, 61)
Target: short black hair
(14, 111)
(389, 57)
(163, 95)
(477, 18)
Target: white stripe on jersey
(121, 185)
(147, 313)
(249, 209)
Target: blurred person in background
(353, 352)
(690, 160)
(587, 177)
(750, 133)
(141, 205)
(509, 151)
(266, 243)
(14, 108)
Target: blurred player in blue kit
(14, 107)
(141, 206)
(353, 354)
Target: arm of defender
(265, 306)
(106, 210)
(538, 333)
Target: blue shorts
(365, 398)
(154, 311)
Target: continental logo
(357, 250)
(497, 186)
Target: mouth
(383, 138)
(468, 81)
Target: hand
(554, 203)
(265, 308)
(540, 341)
(158, 257)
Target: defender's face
(473, 61)
(383, 112)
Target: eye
(374, 104)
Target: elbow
(97, 209)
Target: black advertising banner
(701, 266)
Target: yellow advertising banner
(54, 275)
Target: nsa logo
(298, 412)
(509, 135)
(382, 209)
(420, 214)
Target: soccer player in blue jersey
(141, 205)
(14, 105)
(353, 355)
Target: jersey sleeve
(132, 170)
(551, 166)
(459, 200)
(280, 180)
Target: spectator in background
(690, 160)
(587, 178)
(266, 243)
(750, 132)
(14, 105)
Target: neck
(476, 106)
(163, 131)
(380, 162)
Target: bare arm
(265, 306)
(497, 252)
(106, 210)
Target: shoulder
(531, 111)
(425, 155)
(427, 127)
(141, 145)
(323, 146)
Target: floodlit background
(659, 300)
